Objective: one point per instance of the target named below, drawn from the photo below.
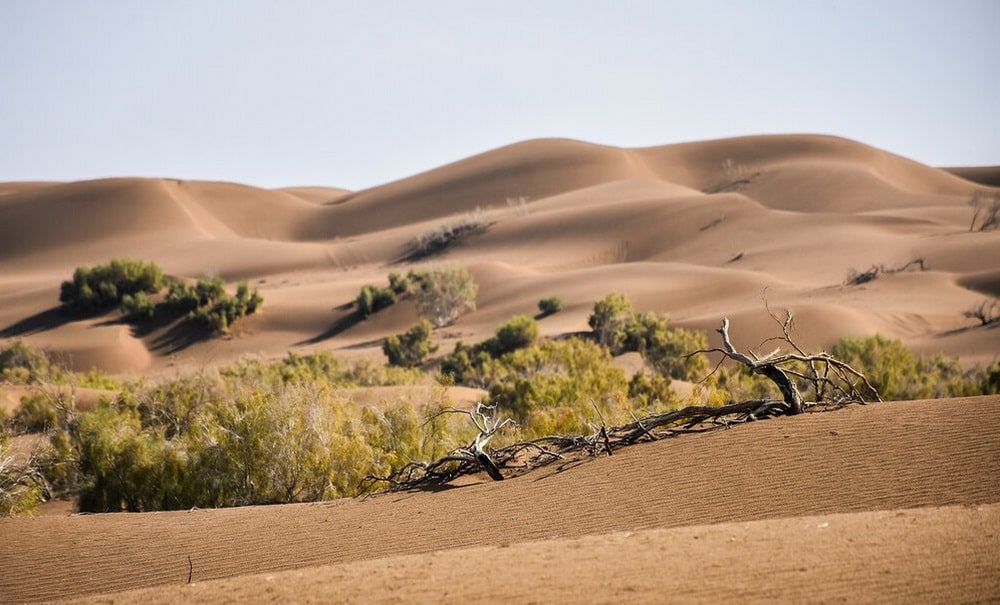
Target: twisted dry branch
(825, 374)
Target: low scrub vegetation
(373, 298)
(272, 431)
(100, 287)
(470, 365)
(616, 325)
(549, 305)
(447, 235)
(22, 486)
(207, 304)
(410, 348)
(130, 285)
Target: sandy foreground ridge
(886, 502)
(889, 502)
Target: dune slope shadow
(43, 321)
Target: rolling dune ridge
(696, 230)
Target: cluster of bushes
(130, 285)
(410, 348)
(21, 363)
(898, 373)
(616, 325)
(101, 287)
(204, 442)
(469, 364)
(22, 487)
(207, 304)
(549, 305)
(561, 386)
(321, 368)
(441, 295)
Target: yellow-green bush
(898, 373)
(21, 485)
(549, 386)
(102, 286)
(248, 443)
(464, 365)
(410, 348)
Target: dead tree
(470, 458)
(985, 211)
(986, 312)
(856, 278)
(833, 383)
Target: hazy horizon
(295, 93)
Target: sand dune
(696, 230)
(856, 557)
(881, 457)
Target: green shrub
(898, 373)
(651, 391)
(517, 332)
(138, 306)
(249, 443)
(372, 299)
(22, 486)
(549, 305)
(464, 365)
(400, 284)
(37, 413)
(667, 349)
(442, 295)
(21, 363)
(208, 305)
(542, 382)
(610, 320)
(617, 326)
(322, 368)
(410, 348)
(102, 286)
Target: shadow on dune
(341, 325)
(48, 319)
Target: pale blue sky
(352, 94)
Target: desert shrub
(447, 235)
(985, 211)
(465, 364)
(37, 413)
(898, 373)
(322, 368)
(208, 305)
(442, 295)
(610, 319)
(617, 326)
(102, 286)
(989, 382)
(372, 299)
(138, 306)
(549, 387)
(410, 348)
(651, 390)
(516, 333)
(245, 443)
(400, 284)
(22, 486)
(665, 348)
(20, 363)
(549, 305)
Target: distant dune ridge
(696, 230)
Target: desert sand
(890, 502)
(885, 502)
(696, 230)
